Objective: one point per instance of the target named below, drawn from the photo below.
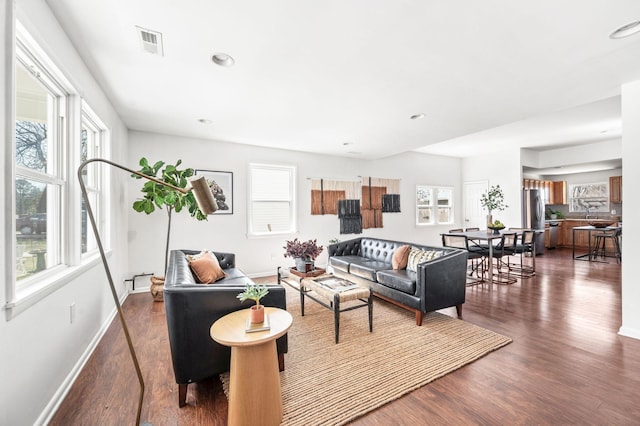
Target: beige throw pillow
(400, 257)
(206, 268)
(418, 256)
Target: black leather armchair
(191, 308)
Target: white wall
(587, 153)
(40, 348)
(504, 170)
(262, 256)
(630, 207)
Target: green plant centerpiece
(254, 292)
(492, 200)
(304, 253)
(162, 197)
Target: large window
(39, 178)
(434, 205)
(54, 131)
(271, 199)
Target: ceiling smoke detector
(151, 41)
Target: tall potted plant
(162, 197)
(492, 200)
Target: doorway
(474, 215)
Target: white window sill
(28, 295)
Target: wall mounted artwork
(358, 204)
(221, 184)
(591, 197)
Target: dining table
(489, 237)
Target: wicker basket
(156, 289)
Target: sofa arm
(345, 248)
(441, 282)
(191, 311)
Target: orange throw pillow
(400, 257)
(206, 268)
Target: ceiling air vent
(151, 41)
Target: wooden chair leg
(182, 395)
(418, 318)
(459, 310)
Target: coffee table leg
(370, 302)
(301, 299)
(336, 315)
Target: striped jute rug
(328, 384)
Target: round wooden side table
(254, 380)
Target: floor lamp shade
(206, 203)
(203, 195)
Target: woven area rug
(328, 384)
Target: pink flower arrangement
(307, 250)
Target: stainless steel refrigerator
(533, 215)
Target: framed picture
(221, 184)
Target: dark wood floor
(566, 365)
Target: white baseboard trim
(45, 417)
(629, 332)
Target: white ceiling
(316, 75)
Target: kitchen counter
(582, 239)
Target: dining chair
(461, 242)
(456, 230)
(472, 229)
(522, 249)
(506, 247)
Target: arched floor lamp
(207, 205)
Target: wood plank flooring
(566, 365)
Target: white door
(474, 215)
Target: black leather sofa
(191, 308)
(438, 283)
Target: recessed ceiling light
(347, 143)
(223, 59)
(205, 121)
(417, 116)
(626, 30)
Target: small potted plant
(254, 292)
(304, 253)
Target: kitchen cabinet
(582, 238)
(615, 189)
(554, 192)
(559, 192)
(546, 235)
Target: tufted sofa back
(380, 250)
(373, 248)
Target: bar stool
(600, 241)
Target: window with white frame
(434, 205)
(271, 199)
(54, 131)
(40, 180)
(92, 137)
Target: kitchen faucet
(586, 216)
